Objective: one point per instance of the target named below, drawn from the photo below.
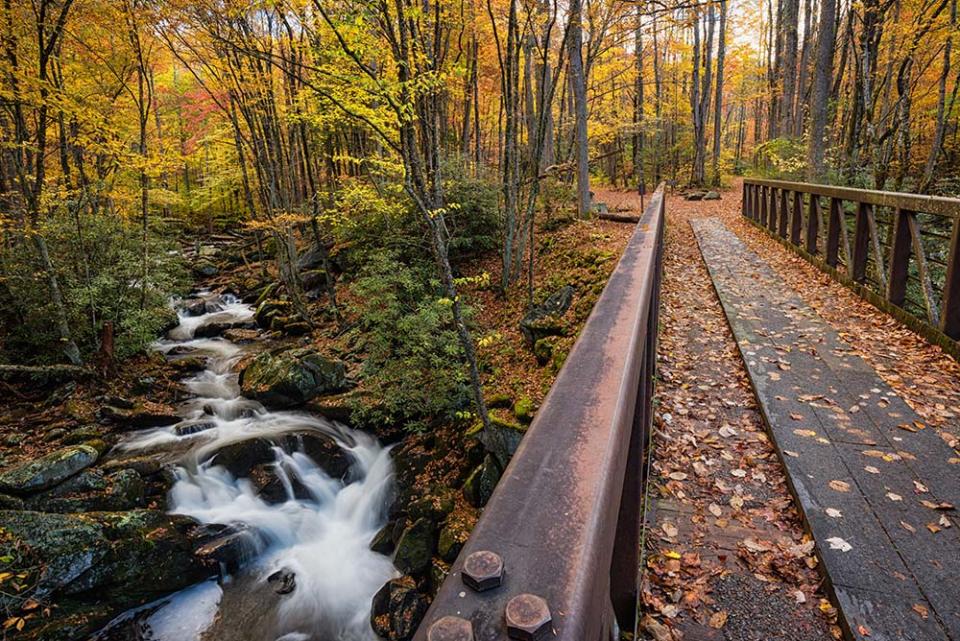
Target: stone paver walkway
(876, 487)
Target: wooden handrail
(847, 251)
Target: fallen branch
(47, 371)
(619, 218)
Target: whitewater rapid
(320, 534)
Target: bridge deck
(872, 481)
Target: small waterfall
(310, 575)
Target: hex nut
(450, 628)
(482, 570)
(528, 618)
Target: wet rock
(205, 268)
(438, 574)
(211, 330)
(92, 491)
(47, 471)
(136, 419)
(284, 581)
(479, 486)
(240, 458)
(382, 542)
(415, 548)
(82, 434)
(68, 545)
(270, 308)
(711, 195)
(186, 429)
(241, 336)
(452, 537)
(397, 609)
(544, 319)
(291, 378)
(144, 465)
(188, 364)
(231, 550)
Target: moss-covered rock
(270, 308)
(524, 409)
(452, 537)
(83, 434)
(47, 471)
(397, 609)
(415, 548)
(292, 377)
(479, 486)
(545, 319)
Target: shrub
(413, 367)
(99, 277)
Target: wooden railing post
(796, 223)
(813, 224)
(950, 308)
(899, 258)
(772, 219)
(833, 231)
(764, 205)
(861, 244)
(784, 213)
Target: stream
(308, 573)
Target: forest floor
(728, 557)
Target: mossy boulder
(397, 609)
(415, 548)
(293, 377)
(545, 319)
(543, 349)
(524, 410)
(47, 471)
(268, 309)
(452, 538)
(91, 490)
(479, 486)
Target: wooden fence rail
(899, 251)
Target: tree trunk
(579, 86)
(718, 101)
(820, 94)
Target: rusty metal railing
(555, 553)
(899, 251)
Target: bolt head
(528, 618)
(450, 628)
(482, 570)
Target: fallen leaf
(894, 497)
(670, 530)
(715, 509)
(836, 543)
(833, 512)
(718, 619)
(872, 469)
(804, 432)
(921, 610)
(799, 596)
(933, 527)
(796, 417)
(840, 486)
(739, 473)
(909, 528)
(863, 630)
(678, 476)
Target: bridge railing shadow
(555, 554)
(897, 250)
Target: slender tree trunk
(718, 101)
(579, 86)
(820, 94)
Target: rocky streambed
(230, 518)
